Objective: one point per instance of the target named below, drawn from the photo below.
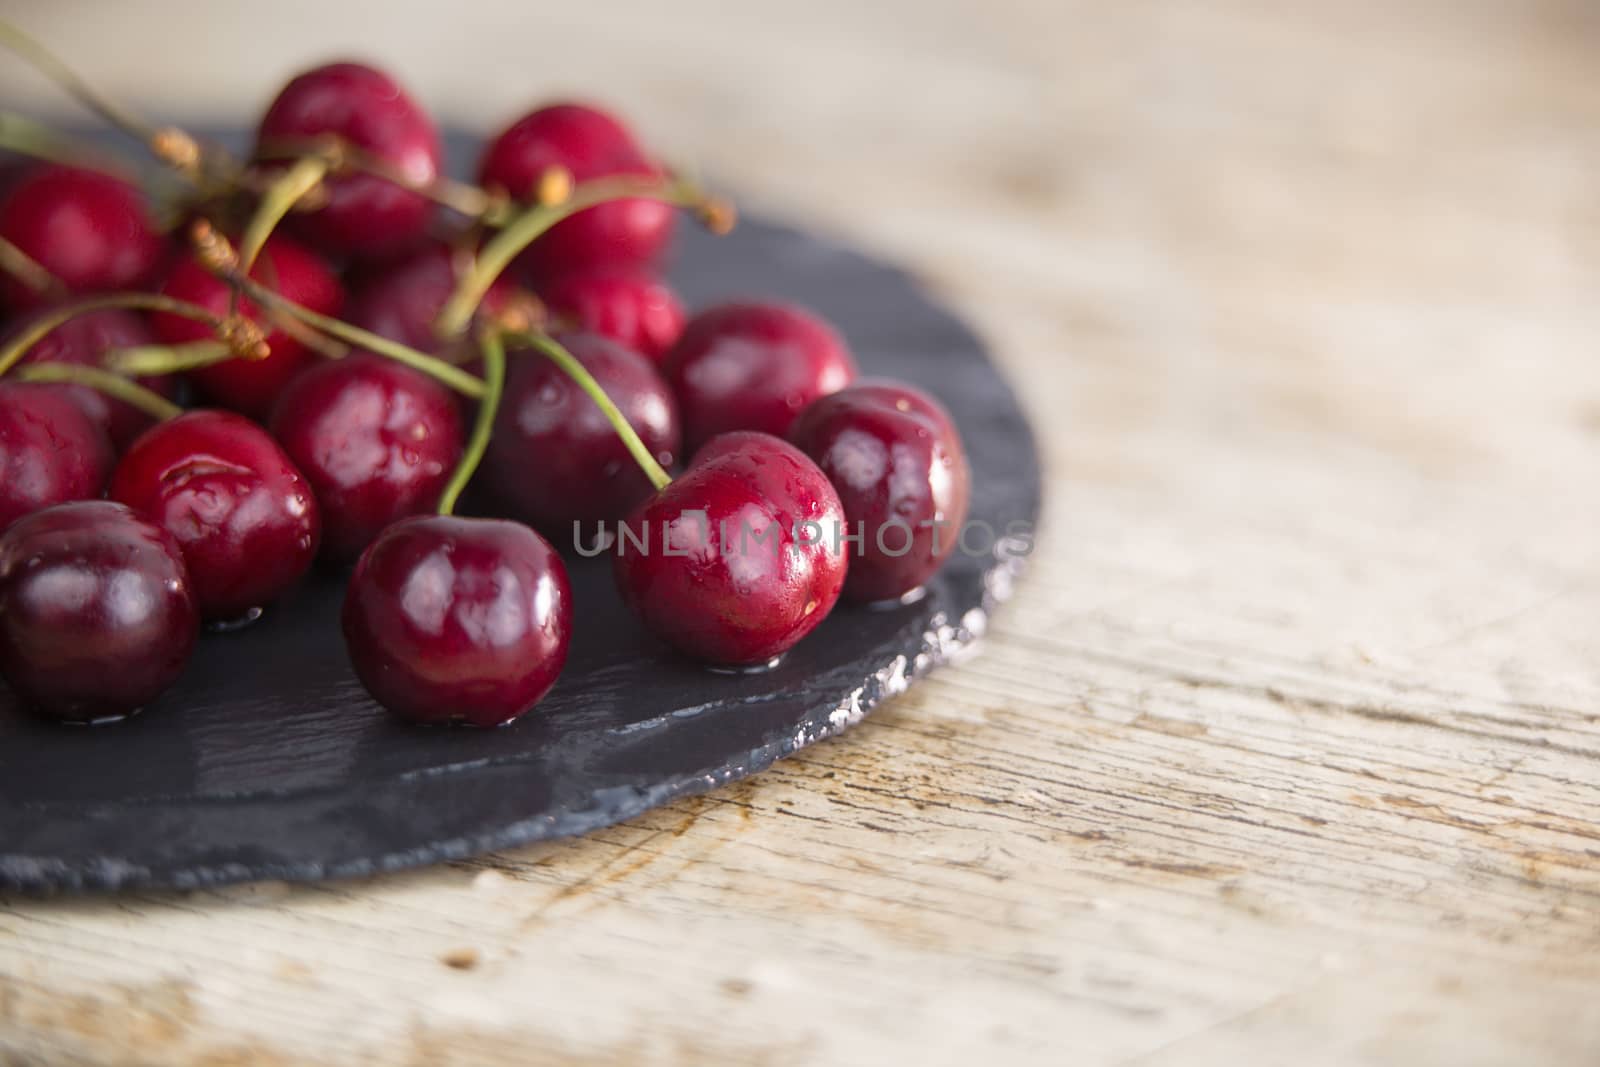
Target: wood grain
(1287, 751)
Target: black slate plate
(269, 761)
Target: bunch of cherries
(363, 339)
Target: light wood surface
(1288, 749)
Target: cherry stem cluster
(41, 327)
(521, 231)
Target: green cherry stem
(150, 361)
(26, 137)
(494, 381)
(27, 270)
(557, 354)
(287, 190)
(41, 327)
(522, 230)
(447, 373)
(148, 401)
(52, 67)
(342, 155)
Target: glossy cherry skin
(753, 367)
(89, 230)
(96, 615)
(366, 215)
(50, 451)
(376, 440)
(554, 459)
(451, 620)
(633, 306)
(897, 462)
(753, 577)
(590, 144)
(84, 341)
(245, 518)
(251, 386)
(401, 300)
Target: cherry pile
(215, 371)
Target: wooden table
(1287, 751)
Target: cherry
(96, 615)
(896, 460)
(554, 458)
(590, 144)
(629, 305)
(376, 440)
(366, 215)
(84, 340)
(251, 386)
(458, 620)
(753, 367)
(401, 300)
(244, 516)
(743, 553)
(50, 451)
(90, 231)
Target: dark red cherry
(84, 340)
(753, 367)
(554, 459)
(89, 230)
(633, 306)
(401, 300)
(244, 516)
(376, 440)
(96, 615)
(590, 144)
(743, 553)
(458, 620)
(50, 451)
(366, 215)
(895, 457)
(251, 386)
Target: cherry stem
(141, 361)
(146, 400)
(434, 367)
(279, 199)
(494, 382)
(52, 67)
(27, 270)
(26, 137)
(581, 377)
(521, 231)
(342, 155)
(40, 328)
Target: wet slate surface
(269, 761)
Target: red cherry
(89, 230)
(590, 144)
(458, 620)
(366, 215)
(251, 386)
(554, 459)
(84, 340)
(96, 615)
(895, 457)
(245, 518)
(376, 440)
(743, 554)
(50, 451)
(400, 301)
(753, 367)
(632, 306)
